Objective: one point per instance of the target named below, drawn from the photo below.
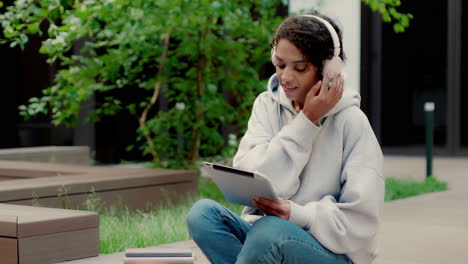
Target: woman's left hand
(279, 208)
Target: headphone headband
(334, 35)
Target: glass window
(464, 82)
(413, 72)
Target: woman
(309, 136)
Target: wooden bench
(50, 154)
(69, 186)
(37, 235)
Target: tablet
(240, 186)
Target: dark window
(464, 81)
(413, 72)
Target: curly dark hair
(310, 36)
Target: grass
(398, 189)
(121, 229)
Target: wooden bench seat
(60, 185)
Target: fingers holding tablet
(279, 208)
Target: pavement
(429, 229)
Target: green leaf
(8, 32)
(33, 28)
(398, 28)
(24, 39)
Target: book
(159, 255)
(158, 252)
(159, 260)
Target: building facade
(399, 72)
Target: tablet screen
(233, 170)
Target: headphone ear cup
(333, 66)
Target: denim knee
(263, 240)
(268, 230)
(271, 229)
(197, 215)
(272, 240)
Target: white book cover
(161, 260)
(158, 252)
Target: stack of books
(159, 255)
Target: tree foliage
(389, 13)
(191, 51)
(204, 56)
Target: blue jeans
(226, 238)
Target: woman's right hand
(320, 100)
(279, 208)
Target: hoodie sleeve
(348, 222)
(280, 157)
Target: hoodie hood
(350, 97)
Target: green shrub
(204, 56)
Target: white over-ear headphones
(335, 64)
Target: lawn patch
(397, 189)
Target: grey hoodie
(332, 174)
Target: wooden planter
(36, 235)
